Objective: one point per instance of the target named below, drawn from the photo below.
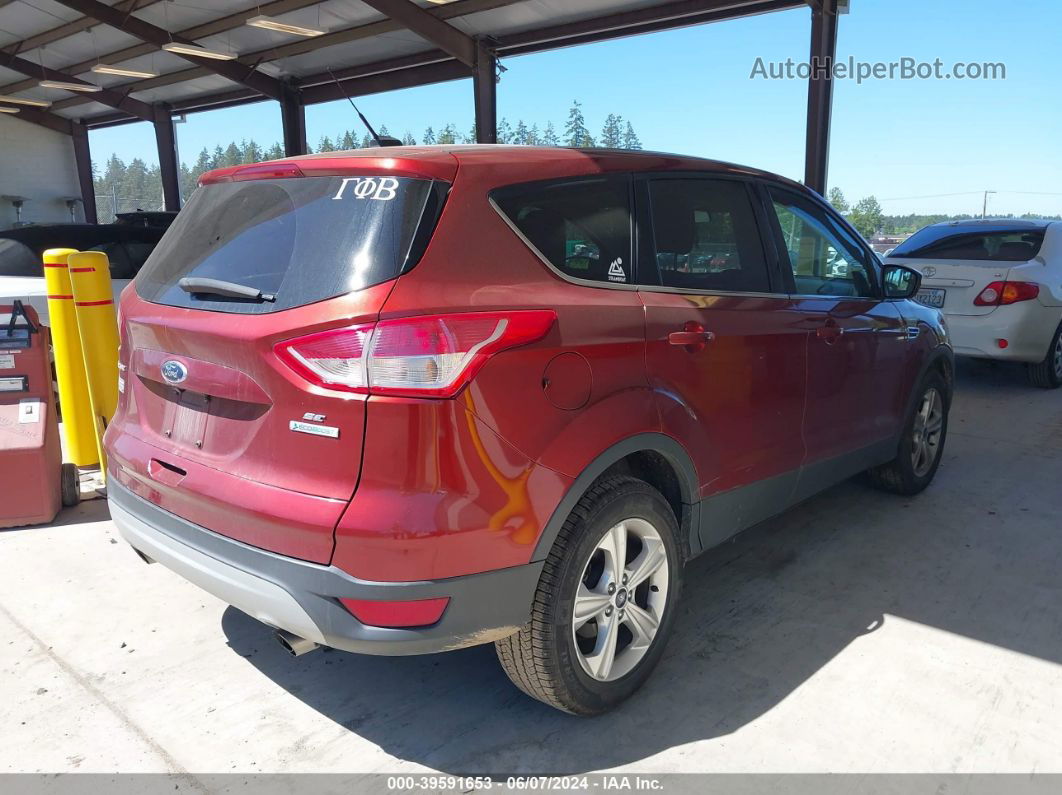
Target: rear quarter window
(302, 239)
(582, 227)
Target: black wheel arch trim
(933, 358)
(673, 452)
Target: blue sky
(905, 141)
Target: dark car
(406, 401)
(127, 246)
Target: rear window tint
(705, 236)
(303, 239)
(581, 227)
(1007, 245)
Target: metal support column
(168, 168)
(83, 161)
(293, 117)
(485, 85)
(820, 93)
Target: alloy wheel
(620, 600)
(1058, 358)
(927, 431)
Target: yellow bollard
(78, 426)
(90, 277)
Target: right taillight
(427, 356)
(1003, 293)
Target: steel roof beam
(426, 25)
(212, 28)
(106, 96)
(150, 34)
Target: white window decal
(615, 271)
(377, 188)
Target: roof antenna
(380, 140)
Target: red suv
(407, 400)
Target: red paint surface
(418, 488)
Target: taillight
(1003, 293)
(428, 356)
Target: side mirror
(901, 281)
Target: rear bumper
(302, 597)
(1027, 327)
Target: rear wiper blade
(196, 284)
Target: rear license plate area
(931, 296)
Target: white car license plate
(931, 296)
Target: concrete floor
(860, 632)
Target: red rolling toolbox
(31, 463)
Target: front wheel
(605, 602)
(921, 443)
(1048, 373)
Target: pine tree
(252, 152)
(519, 133)
(575, 132)
(408, 139)
(448, 134)
(630, 138)
(218, 157)
(472, 136)
(549, 135)
(505, 132)
(429, 136)
(232, 155)
(325, 144)
(135, 192)
(534, 138)
(612, 132)
(276, 152)
(367, 141)
(348, 140)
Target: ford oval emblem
(173, 371)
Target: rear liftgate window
(302, 239)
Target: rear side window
(581, 227)
(1007, 245)
(705, 236)
(303, 239)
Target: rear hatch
(212, 426)
(958, 261)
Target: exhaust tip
(293, 644)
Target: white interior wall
(36, 163)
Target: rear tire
(921, 443)
(591, 642)
(1048, 373)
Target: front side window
(705, 236)
(824, 260)
(581, 227)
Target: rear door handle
(693, 336)
(829, 332)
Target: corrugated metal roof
(360, 41)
